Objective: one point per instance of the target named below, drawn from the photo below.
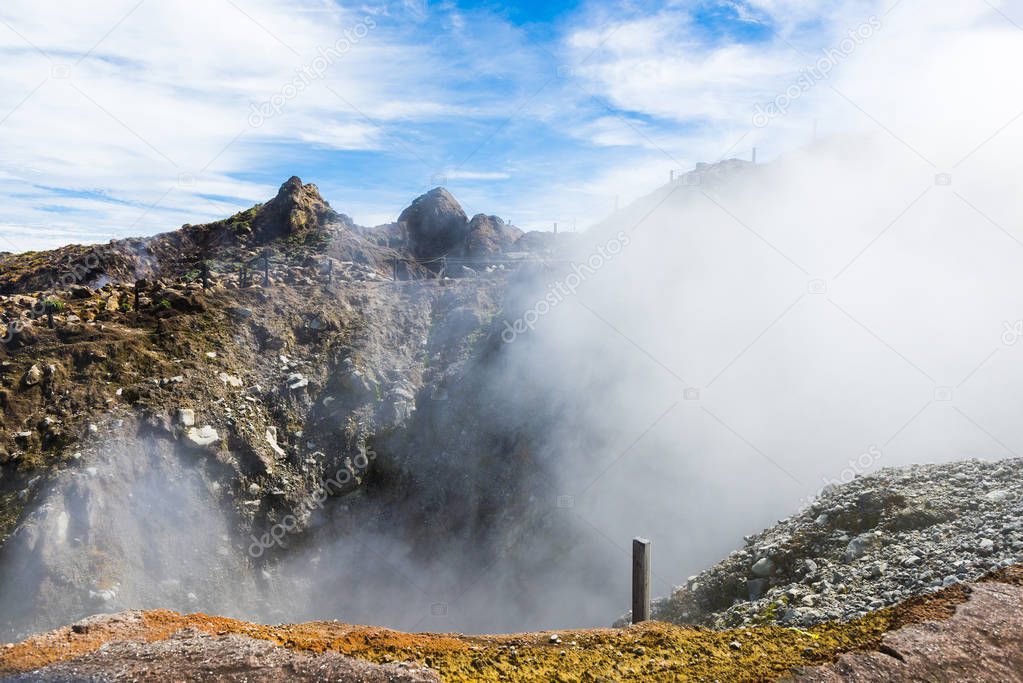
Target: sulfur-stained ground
(652, 651)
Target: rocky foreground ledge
(968, 631)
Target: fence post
(640, 580)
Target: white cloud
(163, 90)
(128, 97)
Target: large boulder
(436, 225)
(489, 236)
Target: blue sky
(129, 117)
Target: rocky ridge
(865, 545)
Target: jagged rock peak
(293, 187)
(296, 207)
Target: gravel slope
(871, 543)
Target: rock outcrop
(295, 209)
(982, 641)
(436, 225)
(489, 236)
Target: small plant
(55, 305)
(164, 303)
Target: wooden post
(266, 268)
(330, 271)
(205, 271)
(394, 265)
(640, 580)
(49, 314)
(138, 290)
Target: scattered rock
(230, 380)
(32, 376)
(871, 543)
(206, 438)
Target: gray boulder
(436, 225)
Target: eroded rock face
(489, 236)
(983, 641)
(296, 207)
(436, 225)
(140, 525)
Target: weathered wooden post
(394, 268)
(640, 580)
(138, 293)
(266, 268)
(330, 271)
(243, 279)
(49, 314)
(205, 271)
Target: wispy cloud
(126, 117)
